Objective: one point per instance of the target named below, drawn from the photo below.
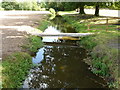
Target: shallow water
(60, 65)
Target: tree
(81, 5)
(97, 9)
(82, 10)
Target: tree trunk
(81, 10)
(97, 10)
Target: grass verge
(14, 69)
(16, 66)
(81, 22)
(43, 25)
(34, 44)
(104, 56)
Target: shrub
(8, 5)
(53, 13)
(32, 5)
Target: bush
(53, 13)
(9, 5)
(33, 5)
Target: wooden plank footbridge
(64, 34)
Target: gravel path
(14, 27)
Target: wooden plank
(102, 24)
(64, 34)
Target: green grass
(104, 57)
(14, 69)
(43, 25)
(81, 25)
(0, 74)
(16, 66)
(34, 44)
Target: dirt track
(11, 38)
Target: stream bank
(60, 57)
(103, 47)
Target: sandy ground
(12, 37)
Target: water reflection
(62, 25)
(51, 30)
(62, 67)
(39, 56)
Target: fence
(107, 23)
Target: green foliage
(115, 5)
(53, 13)
(1, 9)
(32, 5)
(80, 24)
(29, 6)
(9, 5)
(104, 57)
(52, 10)
(25, 6)
(43, 25)
(15, 69)
(100, 67)
(88, 42)
(62, 6)
(35, 43)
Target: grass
(34, 44)
(81, 24)
(14, 69)
(0, 75)
(16, 66)
(103, 57)
(43, 25)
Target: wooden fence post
(88, 26)
(107, 24)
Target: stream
(59, 64)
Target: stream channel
(59, 64)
